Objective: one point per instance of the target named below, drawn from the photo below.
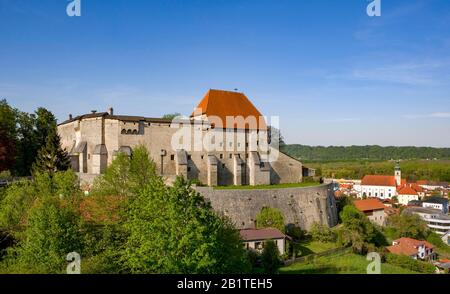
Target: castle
(225, 142)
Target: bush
(409, 263)
(270, 258)
(322, 233)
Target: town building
(255, 239)
(413, 248)
(373, 208)
(225, 141)
(406, 194)
(438, 203)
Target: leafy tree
(322, 233)
(45, 125)
(8, 133)
(126, 176)
(51, 158)
(27, 145)
(171, 116)
(270, 217)
(270, 258)
(357, 230)
(52, 232)
(407, 225)
(184, 234)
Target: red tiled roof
(378, 180)
(407, 190)
(407, 246)
(368, 204)
(402, 249)
(261, 234)
(223, 104)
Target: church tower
(398, 174)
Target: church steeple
(398, 174)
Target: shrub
(322, 233)
(409, 263)
(270, 258)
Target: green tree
(408, 225)
(52, 232)
(51, 157)
(171, 116)
(8, 136)
(322, 233)
(126, 175)
(357, 230)
(45, 124)
(270, 258)
(181, 233)
(27, 145)
(270, 217)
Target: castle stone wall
(300, 206)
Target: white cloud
(428, 115)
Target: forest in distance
(370, 153)
(353, 162)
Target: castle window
(135, 132)
(129, 132)
(221, 156)
(189, 157)
(123, 132)
(189, 169)
(231, 156)
(202, 156)
(172, 157)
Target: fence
(310, 257)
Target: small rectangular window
(221, 156)
(172, 157)
(231, 156)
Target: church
(225, 141)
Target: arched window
(129, 132)
(123, 132)
(135, 132)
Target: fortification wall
(300, 206)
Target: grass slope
(348, 263)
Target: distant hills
(372, 152)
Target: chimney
(70, 116)
(110, 111)
(94, 111)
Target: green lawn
(315, 247)
(347, 263)
(293, 185)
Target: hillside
(375, 153)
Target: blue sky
(334, 75)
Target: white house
(436, 220)
(406, 193)
(436, 203)
(416, 249)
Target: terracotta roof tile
(378, 180)
(368, 204)
(220, 104)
